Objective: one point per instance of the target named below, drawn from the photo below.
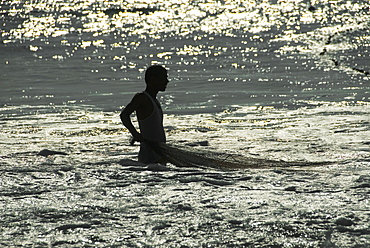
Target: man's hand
(136, 137)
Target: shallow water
(218, 54)
(275, 80)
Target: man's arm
(126, 119)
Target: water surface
(274, 80)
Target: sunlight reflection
(88, 24)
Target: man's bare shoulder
(142, 105)
(139, 97)
(142, 98)
(136, 103)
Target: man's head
(156, 77)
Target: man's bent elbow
(123, 116)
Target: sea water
(276, 80)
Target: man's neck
(153, 93)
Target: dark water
(281, 80)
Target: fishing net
(185, 156)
